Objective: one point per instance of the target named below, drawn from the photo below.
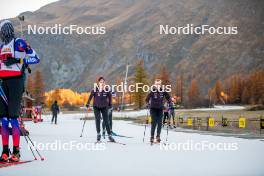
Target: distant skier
(55, 109)
(102, 101)
(15, 54)
(155, 101)
(172, 114)
(166, 117)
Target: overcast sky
(12, 8)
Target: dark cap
(101, 78)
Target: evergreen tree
(140, 76)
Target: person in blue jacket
(15, 54)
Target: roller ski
(112, 140)
(7, 164)
(118, 135)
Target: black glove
(10, 61)
(148, 106)
(87, 105)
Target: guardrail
(211, 123)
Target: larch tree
(30, 85)
(56, 96)
(179, 88)
(194, 94)
(164, 75)
(218, 90)
(39, 89)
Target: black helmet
(7, 32)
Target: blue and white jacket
(19, 49)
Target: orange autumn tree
(30, 85)
(179, 88)
(51, 96)
(242, 88)
(38, 88)
(218, 89)
(194, 94)
(164, 75)
(66, 97)
(256, 87)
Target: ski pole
(84, 122)
(3, 93)
(28, 139)
(167, 134)
(3, 97)
(1, 82)
(170, 114)
(145, 127)
(169, 121)
(83, 127)
(23, 133)
(29, 146)
(21, 20)
(42, 158)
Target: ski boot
(103, 134)
(151, 140)
(111, 139)
(98, 137)
(5, 154)
(158, 139)
(15, 155)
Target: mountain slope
(132, 32)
